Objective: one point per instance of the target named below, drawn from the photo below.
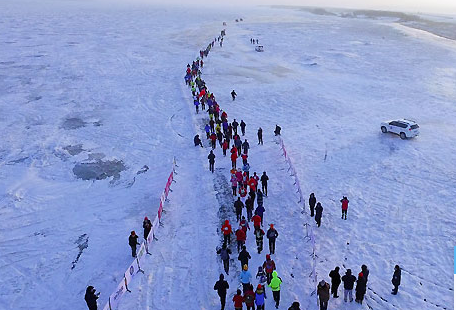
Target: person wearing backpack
(259, 233)
(221, 286)
(249, 298)
(269, 267)
(261, 275)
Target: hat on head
(260, 286)
(146, 218)
(245, 267)
(360, 275)
(268, 256)
(272, 225)
(322, 282)
(133, 232)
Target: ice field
(94, 108)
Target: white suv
(403, 127)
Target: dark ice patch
(83, 243)
(99, 170)
(72, 123)
(74, 149)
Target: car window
(393, 123)
(402, 125)
(414, 126)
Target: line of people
(219, 129)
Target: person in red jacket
(256, 219)
(233, 159)
(213, 138)
(244, 158)
(224, 147)
(344, 202)
(226, 229)
(238, 300)
(249, 298)
(240, 238)
(269, 267)
(252, 184)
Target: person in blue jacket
(260, 296)
(245, 278)
(207, 128)
(196, 103)
(259, 211)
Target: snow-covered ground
(86, 84)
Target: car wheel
(403, 136)
(383, 129)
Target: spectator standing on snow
(226, 230)
(312, 202)
(396, 280)
(225, 256)
(269, 267)
(259, 233)
(365, 272)
(335, 281)
(221, 286)
(237, 299)
(276, 281)
(233, 95)
(91, 298)
(264, 183)
(240, 238)
(318, 213)
(323, 294)
(360, 288)
(272, 235)
(147, 225)
(260, 136)
(238, 206)
(243, 127)
(133, 242)
(344, 202)
(349, 282)
(245, 147)
(245, 277)
(260, 296)
(211, 158)
(277, 130)
(249, 298)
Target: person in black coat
(349, 282)
(133, 241)
(225, 256)
(396, 280)
(260, 136)
(242, 127)
(211, 158)
(318, 213)
(238, 206)
(245, 146)
(277, 130)
(244, 256)
(312, 202)
(272, 235)
(365, 272)
(360, 288)
(221, 286)
(91, 298)
(264, 183)
(335, 281)
(235, 126)
(197, 141)
(147, 225)
(233, 93)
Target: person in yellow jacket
(276, 281)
